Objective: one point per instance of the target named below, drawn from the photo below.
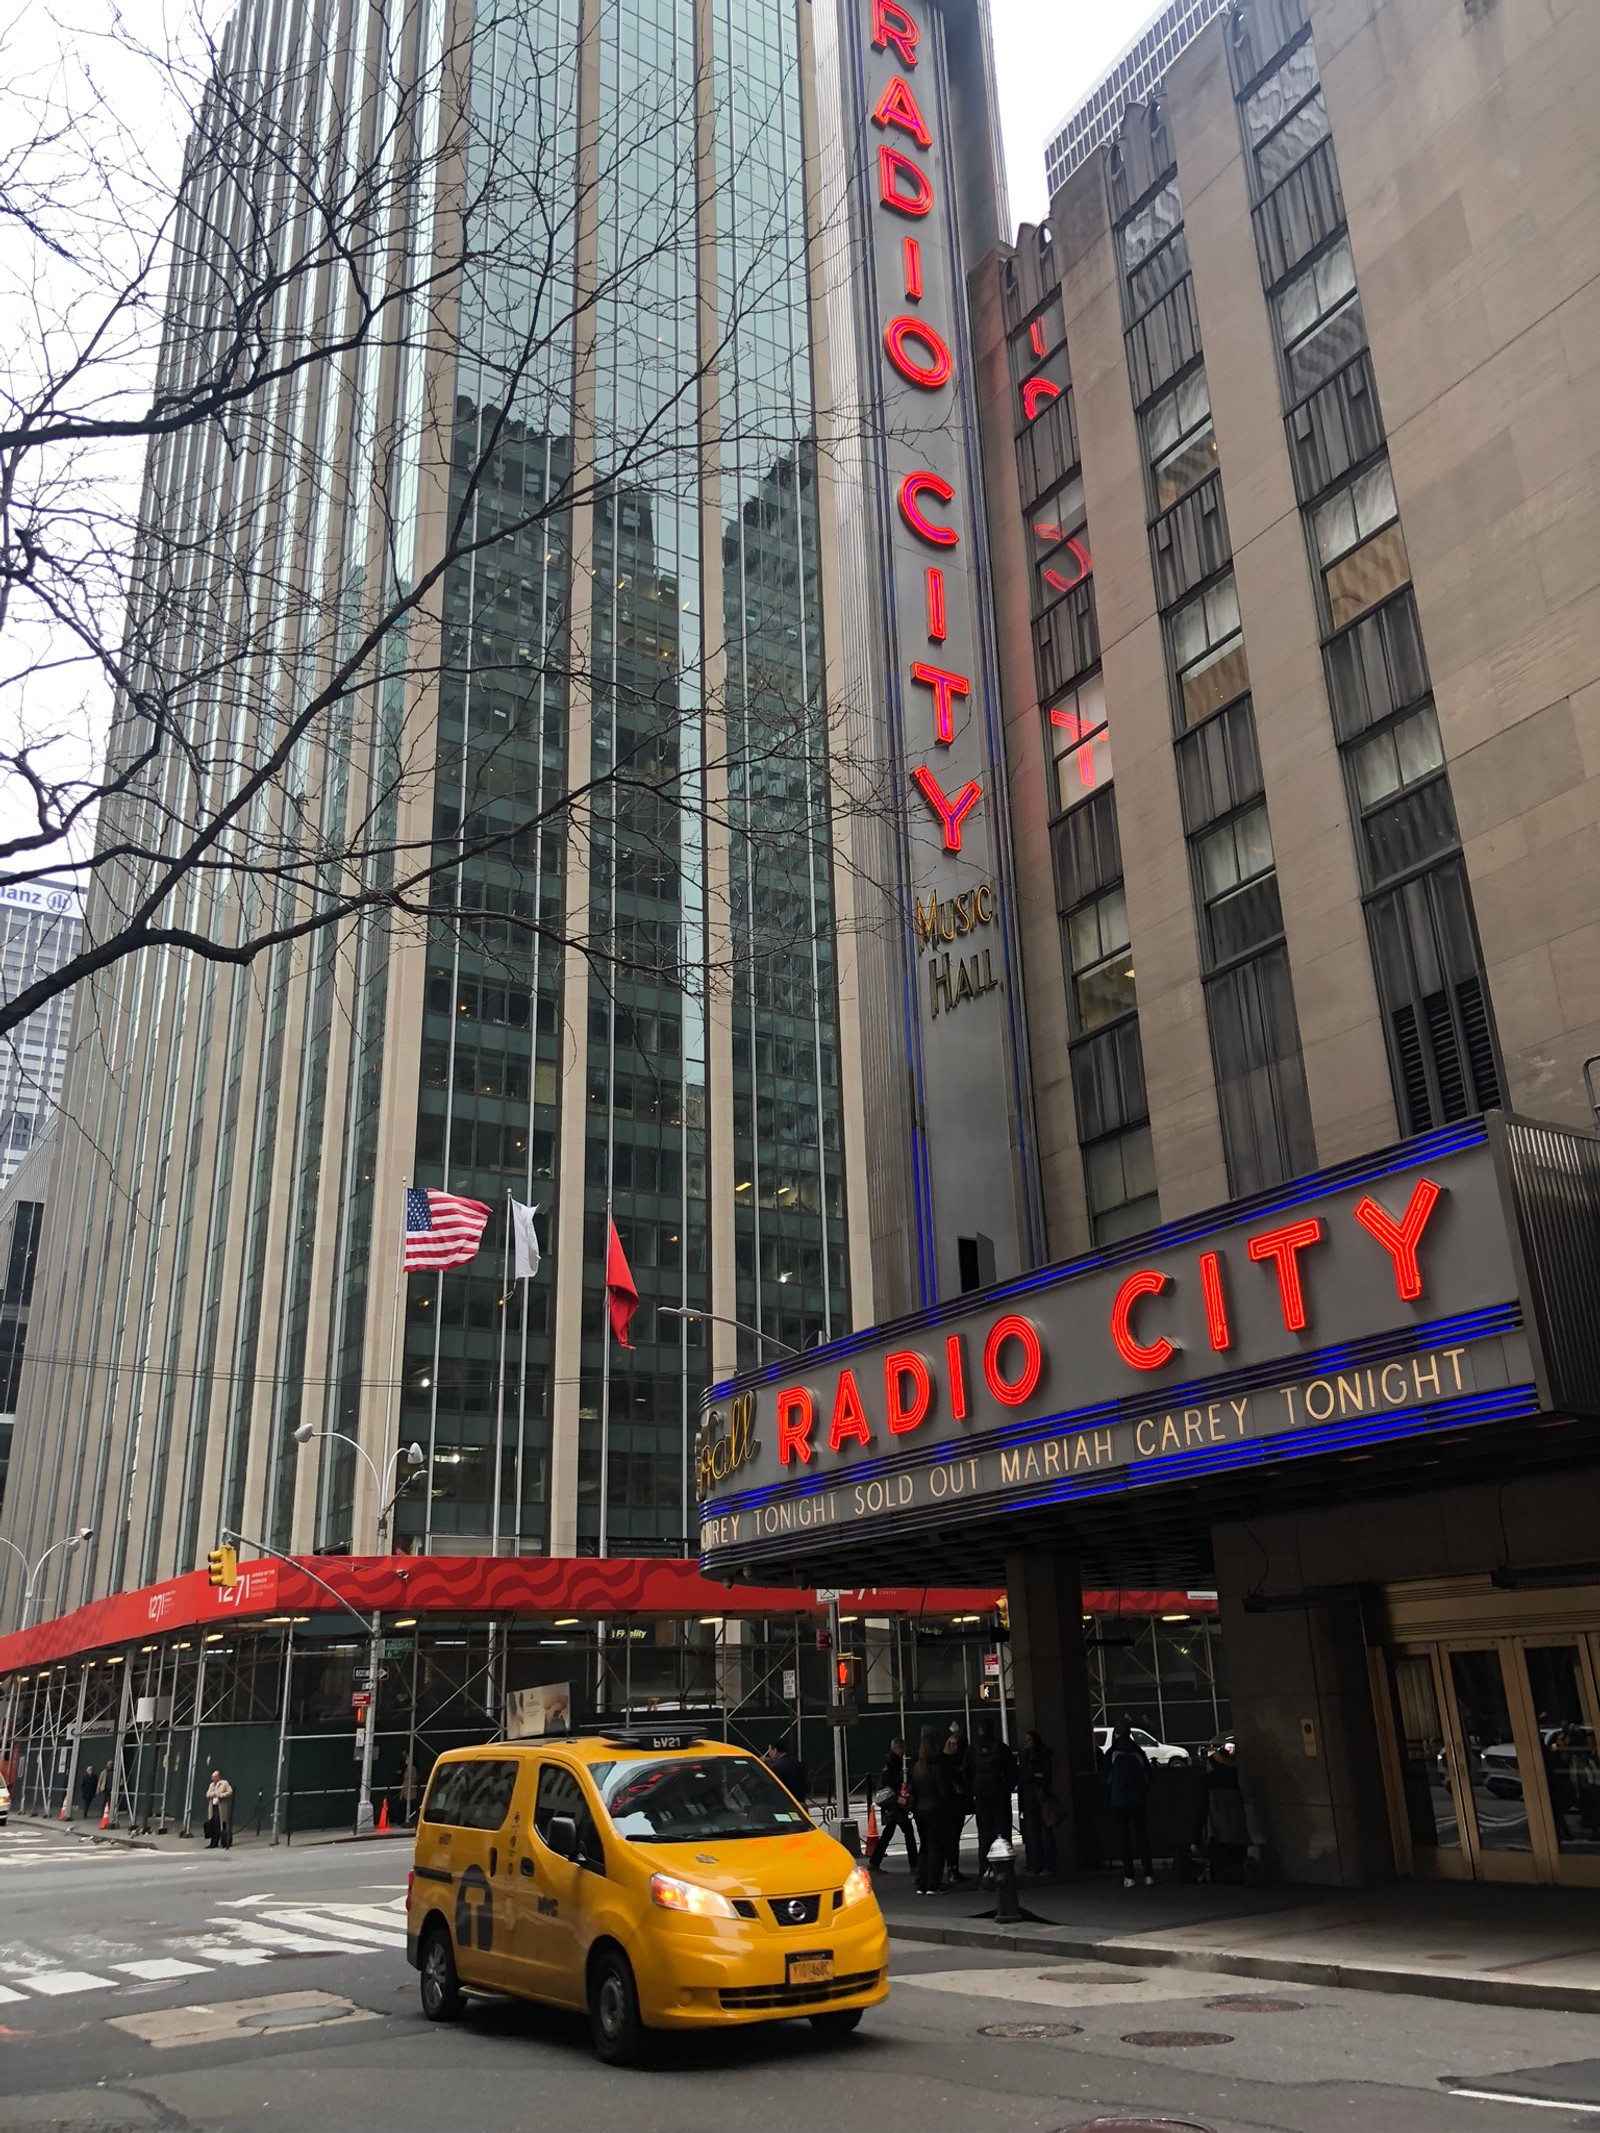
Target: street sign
(360, 1701)
(827, 1594)
(791, 1683)
(842, 1714)
(364, 1676)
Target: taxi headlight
(675, 1895)
(858, 1884)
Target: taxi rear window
(691, 1799)
(470, 1795)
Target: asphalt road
(268, 1989)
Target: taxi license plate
(809, 1969)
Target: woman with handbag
(931, 1804)
(1037, 1803)
(892, 1799)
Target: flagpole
(394, 1360)
(605, 1393)
(500, 1395)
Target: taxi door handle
(527, 1868)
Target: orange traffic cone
(105, 1819)
(383, 1816)
(65, 1798)
(872, 1820)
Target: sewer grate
(1031, 2029)
(1107, 1974)
(1255, 2003)
(1173, 2038)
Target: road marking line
(6, 1993)
(247, 1929)
(320, 1921)
(55, 1984)
(155, 1967)
(1528, 2103)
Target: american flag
(442, 1229)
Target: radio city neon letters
(1015, 1363)
(918, 350)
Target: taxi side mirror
(562, 1836)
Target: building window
(1120, 1174)
(1285, 117)
(1238, 886)
(1407, 816)
(1059, 537)
(1261, 1083)
(1320, 322)
(1080, 748)
(1179, 441)
(1429, 979)
(1208, 653)
(1100, 961)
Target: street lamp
(30, 1585)
(415, 1461)
(762, 1340)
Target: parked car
(1161, 1752)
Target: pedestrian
(1128, 1778)
(893, 1802)
(955, 1751)
(787, 1768)
(1036, 1802)
(86, 1789)
(102, 1798)
(408, 1789)
(931, 1806)
(219, 1812)
(1227, 1829)
(991, 1778)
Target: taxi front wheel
(442, 1999)
(837, 2024)
(620, 2038)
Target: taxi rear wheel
(838, 2023)
(442, 1999)
(620, 2038)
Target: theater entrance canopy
(1424, 1315)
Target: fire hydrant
(1003, 1868)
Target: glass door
(1561, 1689)
(1493, 1766)
(1427, 1788)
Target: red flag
(622, 1297)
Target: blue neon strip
(1458, 1331)
(1509, 1404)
(1363, 1170)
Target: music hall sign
(1389, 1297)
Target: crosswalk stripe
(342, 1928)
(154, 1967)
(6, 1993)
(249, 1929)
(55, 1984)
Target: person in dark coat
(1227, 1829)
(1128, 1780)
(960, 1798)
(892, 1800)
(787, 1768)
(991, 1779)
(931, 1805)
(88, 1785)
(1035, 1769)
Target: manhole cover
(1172, 2039)
(1109, 1975)
(294, 2017)
(1135, 2125)
(1255, 2003)
(1031, 2029)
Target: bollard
(848, 1832)
(1002, 1864)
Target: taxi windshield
(692, 1799)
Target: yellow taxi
(656, 1881)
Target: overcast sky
(1049, 54)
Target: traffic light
(844, 1677)
(222, 1567)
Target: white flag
(524, 1240)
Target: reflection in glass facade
(618, 1007)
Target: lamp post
(762, 1340)
(412, 1454)
(30, 1585)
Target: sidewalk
(1510, 1947)
(244, 1838)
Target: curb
(1294, 1970)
